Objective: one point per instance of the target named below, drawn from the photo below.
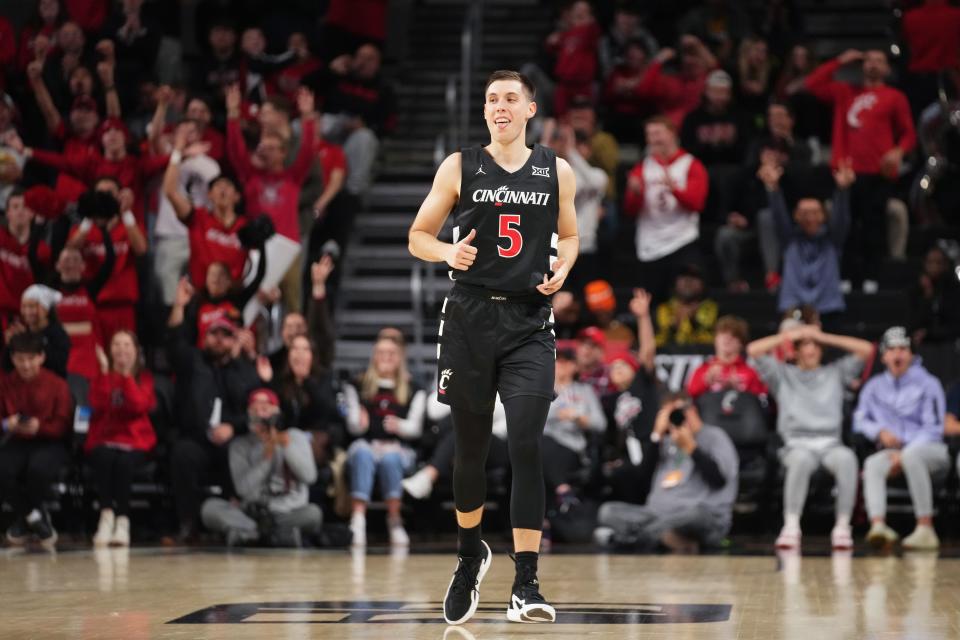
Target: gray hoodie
(810, 403)
(280, 482)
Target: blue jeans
(388, 464)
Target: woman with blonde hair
(121, 434)
(384, 419)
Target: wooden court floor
(153, 593)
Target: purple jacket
(911, 407)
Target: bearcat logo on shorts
(504, 195)
(445, 376)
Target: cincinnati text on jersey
(504, 195)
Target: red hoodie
(932, 33)
(46, 398)
(121, 411)
(866, 122)
(736, 375)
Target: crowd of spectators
(161, 194)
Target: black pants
(113, 471)
(559, 464)
(657, 276)
(27, 469)
(443, 454)
(194, 462)
(866, 246)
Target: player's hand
(461, 255)
(552, 285)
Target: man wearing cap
(901, 411)
(272, 469)
(590, 353)
(716, 132)
(211, 396)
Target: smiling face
(27, 364)
(809, 354)
(386, 358)
(507, 108)
(123, 352)
(70, 265)
(300, 357)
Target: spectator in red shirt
(212, 232)
(116, 301)
(77, 311)
(677, 95)
(45, 22)
(289, 80)
(121, 434)
(23, 255)
(727, 369)
(626, 110)
(271, 188)
(666, 191)
(591, 356)
(89, 14)
(872, 127)
(352, 23)
(129, 171)
(576, 51)
(932, 35)
(35, 414)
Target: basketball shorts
(493, 342)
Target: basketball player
(514, 243)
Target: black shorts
(491, 343)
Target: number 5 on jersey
(509, 229)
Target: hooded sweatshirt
(910, 407)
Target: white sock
(34, 516)
(358, 517)
(843, 521)
(791, 521)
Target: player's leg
(526, 416)
(466, 382)
(472, 433)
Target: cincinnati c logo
(444, 380)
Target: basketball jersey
(515, 215)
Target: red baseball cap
(115, 123)
(594, 335)
(263, 395)
(624, 356)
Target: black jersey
(515, 215)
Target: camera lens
(677, 417)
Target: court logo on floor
(379, 612)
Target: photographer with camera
(694, 469)
(272, 469)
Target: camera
(256, 232)
(678, 416)
(273, 422)
(98, 206)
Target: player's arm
(569, 242)
(423, 241)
